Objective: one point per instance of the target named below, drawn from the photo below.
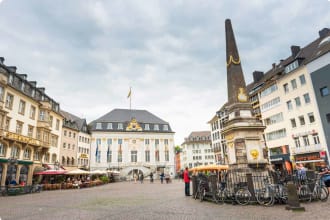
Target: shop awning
(309, 161)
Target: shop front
(281, 162)
(312, 160)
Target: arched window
(72, 161)
(2, 149)
(27, 153)
(54, 158)
(68, 161)
(11, 173)
(47, 155)
(14, 152)
(63, 160)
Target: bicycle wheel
(265, 197)
(284, 195)
(243, 196)
(202, 194)
(304, 194)
(323, 194)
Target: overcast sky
(172, 53)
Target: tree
(177, 149)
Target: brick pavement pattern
(129, 200)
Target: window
(30, 131)
(311, 117)
(120, 156)
(1, 93)
(57, 124)
(293, 84)
(269, 90)
(328, 117)
(109, 126)
(41, 115)
(74, 135)
(36, 155)
(7, 123)
(156, 142)
(109, 141)
(146, 127)
(165, 127)
(109, 156)
(9, 101)
(27, 153)
(286, 88)
(157, 155)
(120, 141)
(316, 138)
(302, 120)
(306, 98)
(297, 100)
(147, 155)
(32, 112)
(297, 142)
(133, 156)
(292, 66)
(64, 145)
(120, 125)
(167, 155)
(156, 127)
(166, 141)
(293, 122)
(14, 152)
(51, 121)
(289, 105)
(324, 91)
(19, 127)
(21, 107)
(99, 125)
(2, 150)
(274, 135)
(274, 119)
(146, 141)
(64, 132)
(302, 79)
(270, 104)
(306, 141)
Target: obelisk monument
(243, 132)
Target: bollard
(293, 200)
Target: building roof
(198, 137)
(77, 123)
(305, 55)
(125, 116)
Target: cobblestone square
(129, 200)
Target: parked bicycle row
(264, 188)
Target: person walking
(325, 175)
(186, 180)
(151, 177)
(141, 177)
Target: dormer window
(11, 79)
(165, 127)
(120, 125)
(146, 127)
(22, 86)
(292, 66)
(109, 126)
(99, 125)
(33, 92)
(156, 127)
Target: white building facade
(197, 150)
(132, 142)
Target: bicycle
(240, 194)
(320, 191)
(201, 190)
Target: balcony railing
(307, 149)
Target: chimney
(12, 69)
(34, 83)
(2, 59)
(294, 50)
(257, 75)
(324, 32)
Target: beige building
(30, 127)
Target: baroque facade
(30, 126)
(132, 141)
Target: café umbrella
(51, 172)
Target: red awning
(51, 172)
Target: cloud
(172, 53)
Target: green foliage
(104, 179)
(177, 149)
